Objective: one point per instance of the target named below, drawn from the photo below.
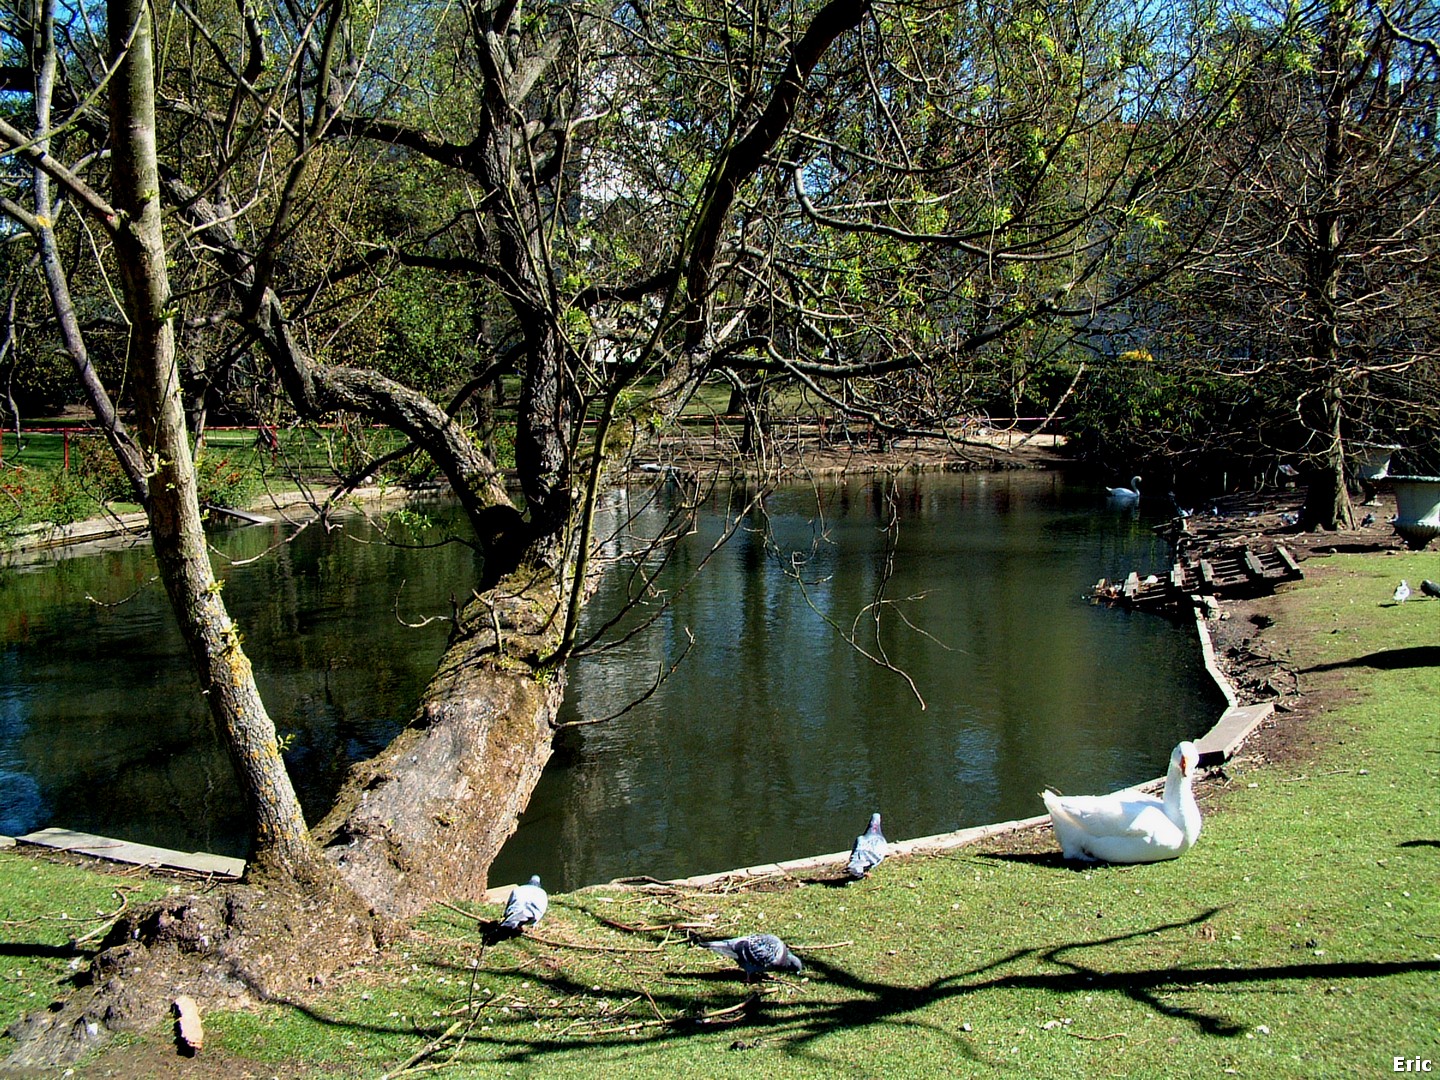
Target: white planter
(1417, 509)
(1372, 460)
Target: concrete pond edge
(1236, 723)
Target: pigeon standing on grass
(869, 850)
(1402, 593)
(757, 954)
(527, 904)
(1429, 588)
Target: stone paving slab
(103, 847)
(1219, 744)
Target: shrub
(94, 464)
(226, 482)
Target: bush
(94, 464)
(28, 498)
(225, 482)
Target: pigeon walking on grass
(1402, 593)
(1430, 588)
(527, 904)
(757, 954)
(869, 850)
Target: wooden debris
(189, 1032)
(1240, 571)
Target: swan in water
(1129, 826)
(1124, 494)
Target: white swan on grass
(1129, 826)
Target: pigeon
(869, 850)
(1429, 588)
(527, 904)
(1402, 593)
(1367, 521)
(757, 954)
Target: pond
(774, 737)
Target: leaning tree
(864, 200)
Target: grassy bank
(1299, 938)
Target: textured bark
(282, 840)
(426, 817)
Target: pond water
(774, 738)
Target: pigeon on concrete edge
(869, 850)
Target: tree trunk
(282, 842)
(55, 279)
(1327, 497)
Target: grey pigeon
(869, 850)
(1402, 593)
(757, 954)
(1429, 588)
(527, 904)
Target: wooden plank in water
(1234, 727)
(102, 847)
(243, 515)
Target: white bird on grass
(1129, 826)
(527, 904)
(1402, 592)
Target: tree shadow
(1053, 860)
(774, 1015)
(32, 949)
(1386, 660)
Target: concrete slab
(1235, 726)
(103, 847)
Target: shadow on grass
(1052, 860)
(29, 948)
(1386, 660)
(674, 1010)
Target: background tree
(1313, 316)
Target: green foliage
(231, 481)
(94, 463)
(1134, 409)
(32, 497)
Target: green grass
(1299, 938)
(44, 906)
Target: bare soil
(290, 948)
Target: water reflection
(776, 738)
(101, 712)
